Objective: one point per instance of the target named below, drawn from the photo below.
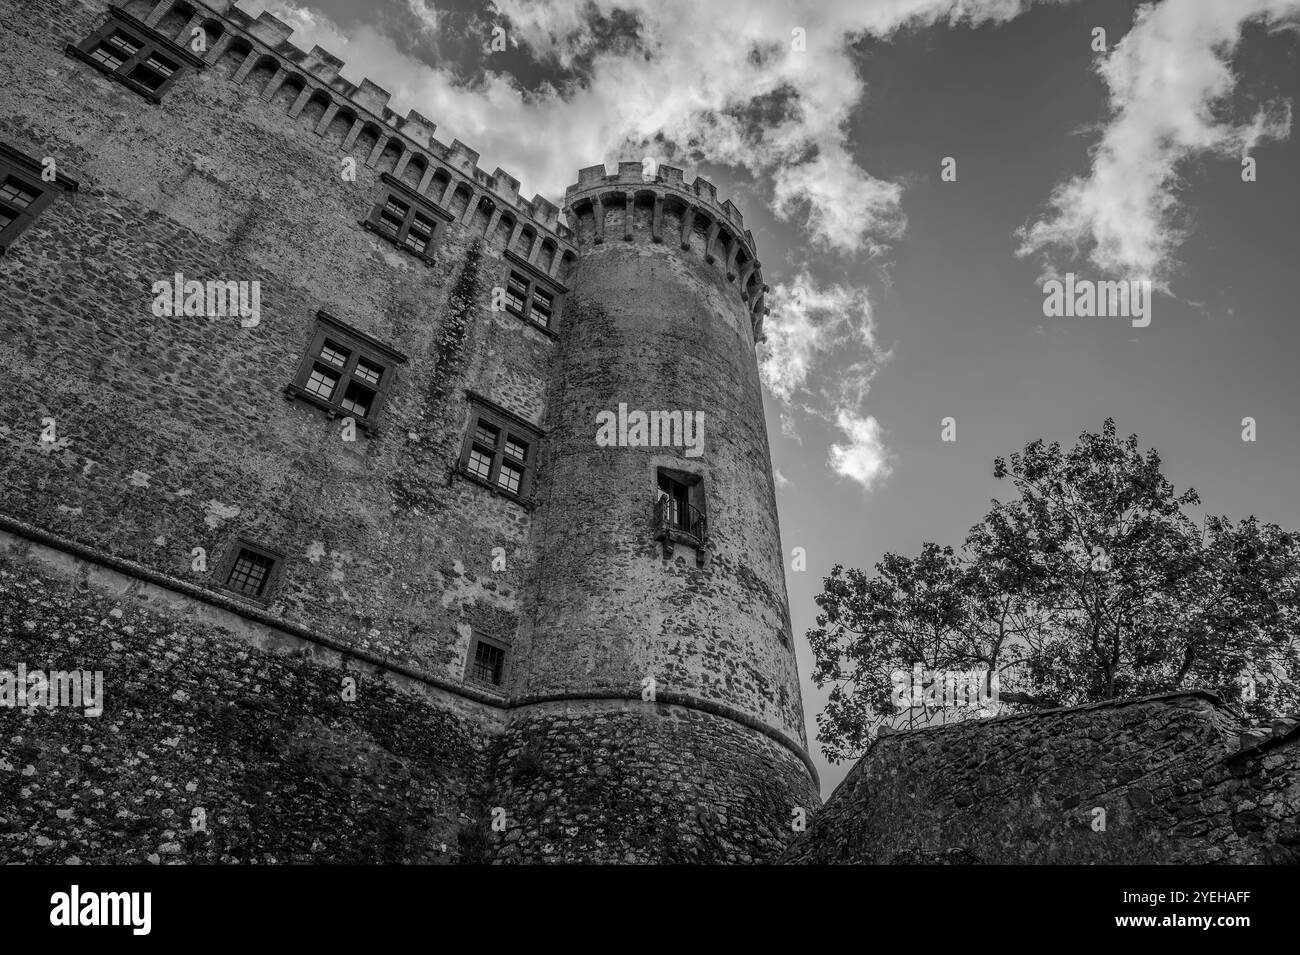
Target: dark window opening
(489, 663)
(250, 574)
(153, 73)
(526, 299)
(250, 570)
(136, 55)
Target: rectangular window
(486, 662)
(480, 463)
(136, 55)
(500, 449)
(419, 237)
(368, 371)
(24, 192)
(345, 371)
(541, 308)
(250, 570)
(358, 399)
(408, 219)
(393, 216)
(676, 498)
(532, 294)
(115, 50)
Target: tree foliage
(1093, 583)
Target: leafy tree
(1092, 584)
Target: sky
(914, 172)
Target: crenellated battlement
(660, 206)
(421, 391)
(258, 54)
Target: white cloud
(426, 13)
(862, 457)
(1169, 79)
(680, 91)
(820, 357)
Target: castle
(356, 509)
(303, 452)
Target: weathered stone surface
(175, 434)
(209, 750)
(1031, 788)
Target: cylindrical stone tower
(661, 718)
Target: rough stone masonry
(361, 582)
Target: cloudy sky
(1099, 137)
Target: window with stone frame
(136, 55)
(345, 372)
(26, 189)
(680, 512)
(500, 449)
(250, 570)
(532, 294)
(486, 661)
(409, 220)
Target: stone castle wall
(175, 435)
(655, 327)
(1175, 779)
(220, 741)
(259, 730)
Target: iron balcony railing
(677, 515)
